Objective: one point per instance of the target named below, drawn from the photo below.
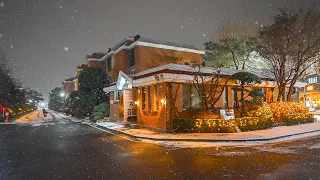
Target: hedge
(222, 126)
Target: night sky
(45, 40)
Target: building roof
(82, 66)
(130, 42)
(70, 79)
(181, 69)
(154, 41)
(97, 55)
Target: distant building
(311, 95)
(69, 85)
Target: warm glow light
(309, 88)
(136, 102)
(163, 101)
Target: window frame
(143, 98)
(109, 64)
(150, 98)
(117, 95)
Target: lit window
(191, 98)
(157, 97)
(150, 98)
(312, 80)
(117, 95)
(143, 98)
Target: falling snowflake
(2, 4)
(257, 22)
(60, 7)
(66, 48)
(204, 35)
(72, 17)
(1, 35)
(181, 27)
(11, 46)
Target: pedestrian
(44, 112)
(7, 114)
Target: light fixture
(136, 102)
(310, 88)
(163, 101)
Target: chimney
(136, 37)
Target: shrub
(222, 126)
(255, 123)
(258, 111)
(290, 113)
(100, 111)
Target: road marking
(111, 133)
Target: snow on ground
(35, 118)
(253, 138)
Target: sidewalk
(261, 135)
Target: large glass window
(157, 97)
(143, 98)
(190, 97)
(150, 98)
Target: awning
(109, 89)
(300, 84)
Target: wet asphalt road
(65, 150)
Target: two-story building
(152, 81)
(68, 85)
(134, 55)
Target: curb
(207, 140)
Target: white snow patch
(236, 153)
(316, 146)
(36, 125)
(187, 144)
(276, 150)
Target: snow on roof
(205, 70)
(71, 79)
(129, 43)
(142, 39)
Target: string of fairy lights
(277, 112)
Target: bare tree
(290, 46)
(207, 86)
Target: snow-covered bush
(100, 111)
